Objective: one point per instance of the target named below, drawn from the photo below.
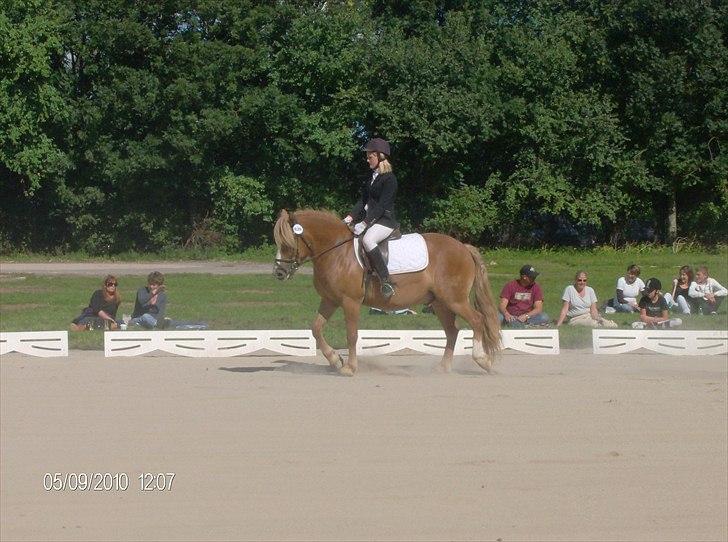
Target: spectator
(101, 310)
(707, 292)
(151, 302)
(521, 301)
(580, 305)
(680, 287)
(653, 308)
(628, 288)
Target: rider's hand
(348, 220)
(359, 228)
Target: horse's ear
(283, 214)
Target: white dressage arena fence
(228, 343)
(301, 342)
(673, 342)
(377, 342)
(46, 344)
(204, 344)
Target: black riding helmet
(378, 144)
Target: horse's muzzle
(280, 273)
(283, 270)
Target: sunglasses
(581, 280)
(111, 284)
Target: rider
(374, 212)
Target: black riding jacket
(378, 197)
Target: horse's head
(287, 242)
(293, 246)
(297, 233)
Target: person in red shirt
(521, 301)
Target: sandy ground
(573, 447)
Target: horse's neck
(333, 251)
(323, 229)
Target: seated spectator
(580, 305)
(706, 292)
(521, 301)
(680, 287)
(628, 288)
(101, 310)
(653, 308)
(151, 302)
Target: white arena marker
(378, 342)
(672, 342)
(46, 344)
(530, 341)
(375, 342)
(222, 343)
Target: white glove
(359, 228)
(348, 220)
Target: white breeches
(375, 235)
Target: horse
(453, 270)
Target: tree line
(129, 125)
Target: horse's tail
(485, 304)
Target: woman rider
(374, 212)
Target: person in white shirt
(629, 288)
(580, 305)
(706, 292)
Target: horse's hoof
(338, 363)
(346, 370)
(335, 360)
(441, 369)
(485, 363)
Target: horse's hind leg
(326, 309)
(475, 320)
(447, 319)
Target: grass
(32, 302)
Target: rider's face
(373, 160)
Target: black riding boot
(377, 261)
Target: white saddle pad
(406, 255)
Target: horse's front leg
(351, 313)
(326, 309)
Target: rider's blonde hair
(385, 166)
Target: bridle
(285, 268)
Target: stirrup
(387, 289)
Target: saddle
(406, 254)
(383, 248)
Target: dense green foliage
(145, 126)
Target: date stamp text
(107, 481)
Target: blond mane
(283, 232)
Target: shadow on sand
(287, 366)
(366, 366)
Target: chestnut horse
(454, 269)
